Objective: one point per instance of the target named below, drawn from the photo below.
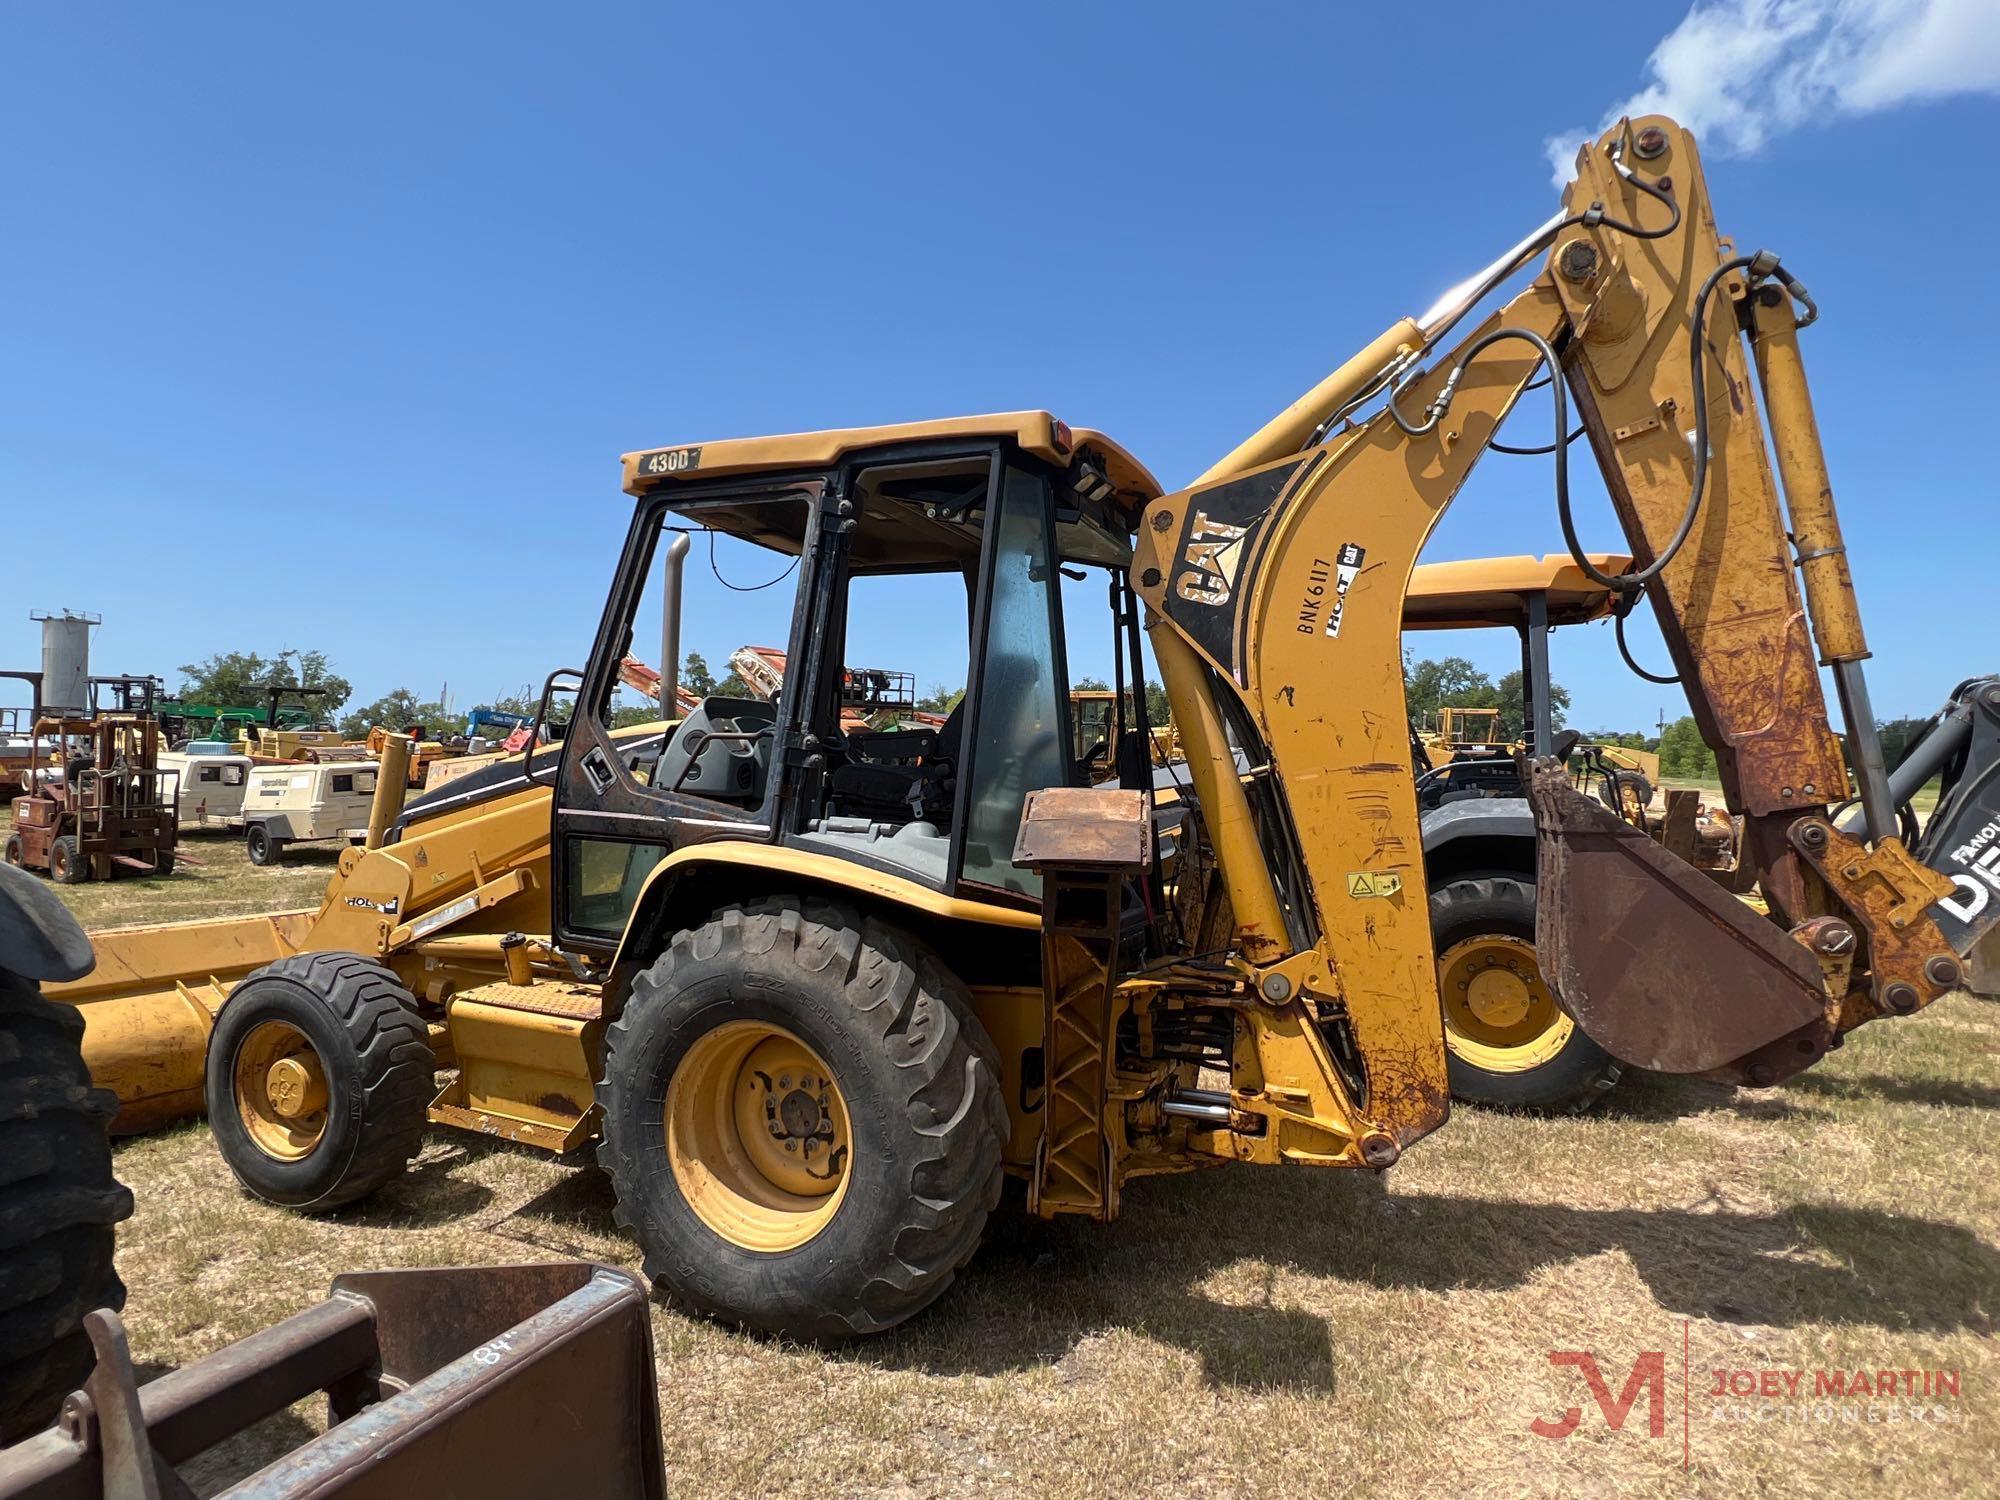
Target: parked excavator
(812, 1006)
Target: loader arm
(1275, 589)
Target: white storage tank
(65, 660)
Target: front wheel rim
(758, 1138)
(279, 1084)
(1499, 1013)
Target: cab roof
(1037, 432)
(1485, 591)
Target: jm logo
(1649, 1374)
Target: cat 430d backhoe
(813, 995)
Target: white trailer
(212, 785)
(305, 802)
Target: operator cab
(953, 532)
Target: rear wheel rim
(279, 1082)
(1499, 1013)
(757, 1136)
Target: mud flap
(1659, 965)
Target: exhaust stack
(672, 557)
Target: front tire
(58, 1206)
(319, 1080)
(769, 1031)
(67, 866)
(1508, 1043)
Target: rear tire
(58, 1206)
(67, 866)
(12, 852)
(332, 1027)
(1541, 1061)
(915, 1097)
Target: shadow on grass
(1947, 1093)
(1659, 1098)
(1036, 1290)
(570, 1217)
(432, 1192)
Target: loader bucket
(1659, 965)
(150, 999)
(494, 1381)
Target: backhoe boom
(1276, 584)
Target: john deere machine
(812, 1005)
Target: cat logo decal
(1214, 552)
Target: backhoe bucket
(1659, 965)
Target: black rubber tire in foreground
(58, 1206)
(376, 1054)
(921, 1084)
(1572, 1081)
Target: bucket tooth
(1659, 965)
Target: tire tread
(921, 1014)
(59, 1205)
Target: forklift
(95, 803)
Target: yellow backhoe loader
(812, 1002)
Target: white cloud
(1739, 72)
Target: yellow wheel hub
(1499, 1014)
(757, 1136)
(280, 1088)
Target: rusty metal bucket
(488, 1381)
(1659, 965)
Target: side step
(527, 1060)
(1659, 965)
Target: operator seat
(904, 775)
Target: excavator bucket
(1659, 965)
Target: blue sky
(326, 329)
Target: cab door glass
(1019, 742)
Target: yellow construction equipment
(1508, 1042)
(812, 1005)
(1526, 594)
(1101, 719)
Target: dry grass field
(1270, 1331)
